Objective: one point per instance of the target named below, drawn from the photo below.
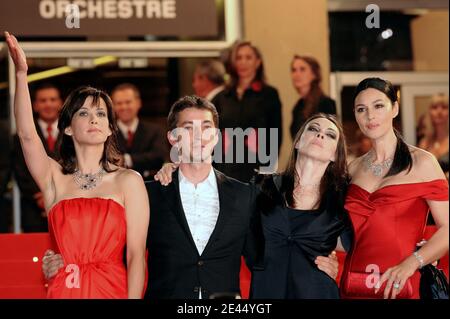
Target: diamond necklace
(88, 181)
(376, 169)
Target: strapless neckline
(84, 199)
(397, 185)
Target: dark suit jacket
(176, 270)
(5, 157)
(32, 221)
(148, 150)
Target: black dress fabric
(292, 241)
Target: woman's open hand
(17, 54)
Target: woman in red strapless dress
(90, 233)
(95, 206)
(394, 186)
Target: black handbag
(433, 283)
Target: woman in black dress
(306, 78)
(300, 216)
(248, 103)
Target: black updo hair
(402, 157)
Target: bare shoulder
(128, 177)
(355, 165)
(425, 164)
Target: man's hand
(51, 263)
(329, 265)
(164, 175)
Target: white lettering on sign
(110, 9)
(47, 9)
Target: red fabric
(245, 278)
(130, 139)
(21, 265)
(90, 234)
(50, 139)
(388, 223)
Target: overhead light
(386, 34)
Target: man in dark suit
(47, 103)
(5, 172)
(143, 145)
(208, 79)
(200, 221)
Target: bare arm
(438, 244)
(38, 163)
(138, 215)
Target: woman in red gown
(393, 188)
(94, 206)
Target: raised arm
(36, 158)
(138, 215)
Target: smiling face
(126, 105)
(319, 140)
(90, 124)
(195, 134)
(246, 62)
(374, 113)
(47, 103)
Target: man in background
(47, 103)
(208, 79)
(143, 145)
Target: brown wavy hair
(315, 92)
(234, 77)
(65, 146)
(336, 175)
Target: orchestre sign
(109, 17)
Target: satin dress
(90, 234)
(387, 225)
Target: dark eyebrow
(330, 128)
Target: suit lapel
(41, 135)
(173, 199)
(138, 136)
(226, 202)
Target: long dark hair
(234, 77)
(65, 146)
(402, 157)
(336, 174)
(315, 91)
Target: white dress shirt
(201, 207)
(43, 125)
(214, 92)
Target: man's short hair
(45, 86)
(188, 102)
(214, 71)
(127, 86)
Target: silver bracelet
(419, 258)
